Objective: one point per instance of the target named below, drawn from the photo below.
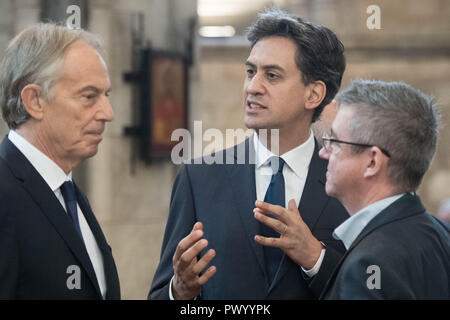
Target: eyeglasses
(327, 140)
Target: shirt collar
(349, 230)
(297, 159)
(53, 175)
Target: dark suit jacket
(222, 197)
(38, 241)
(411, 249)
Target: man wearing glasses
(380, 146)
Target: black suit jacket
(410, 247)
(38, 241)
(222, 197)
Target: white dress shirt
(294, 173)
(54, 176)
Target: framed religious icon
(166, 102)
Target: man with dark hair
(319, 53)
(293, 70)
(381, 144)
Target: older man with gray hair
(54, 88)
(381, 144)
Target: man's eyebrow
(93, 88)
(249, 64)
(266, 67)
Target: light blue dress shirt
(349, 230)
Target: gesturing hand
(187, 282)
(296, 240)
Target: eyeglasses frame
(328, 138)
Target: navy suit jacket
(410, 249)
(38, 241)
(222, 197)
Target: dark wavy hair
(320, 54)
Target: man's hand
(187, 282)
(296, 240)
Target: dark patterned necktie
(275, 195)
(70, 198)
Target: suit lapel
(50, 206)
(312, 203)
(90, 218)
(111, 277)
(406, 206)
(314, 198)
(243, 187)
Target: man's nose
(255, 85)
(324, 153)
(107, 113)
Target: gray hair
(399, 118)
(36, 56)
(319, 56)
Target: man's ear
(377, 162)
(32, 101)
(315, 93)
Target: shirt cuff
(312, 272)
(170, 290)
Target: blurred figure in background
(323, 124)
(444, 211)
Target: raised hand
(187, 282)
(296, 240)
